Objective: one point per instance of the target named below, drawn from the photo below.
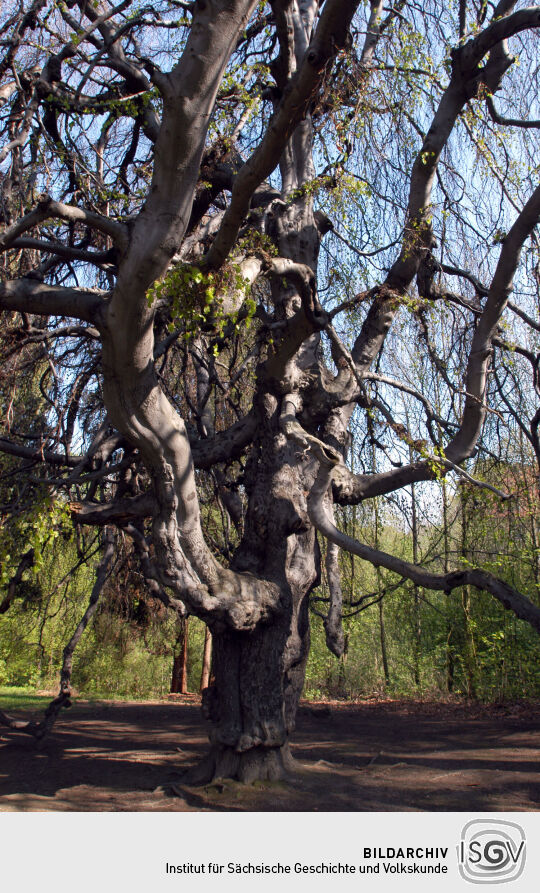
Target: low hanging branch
(38, 729)
(333, 622)
(512, 600)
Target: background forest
(400, 639)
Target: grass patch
(21, 697)
(13, 697)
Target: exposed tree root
(256, 764)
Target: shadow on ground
(370, 756)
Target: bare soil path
(372, 755)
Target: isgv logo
(491, 851)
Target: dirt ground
(372, 755)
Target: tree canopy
(261, 262)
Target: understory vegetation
(400, 640)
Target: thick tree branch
(330, 36)
(464, 442)
(122, 511)
(29, 296)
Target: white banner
(221, 852)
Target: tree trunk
(382, 636)
(469, 646)
(257, 609)
(207, 660)
(417, 631)
(258, 674)
(252, 702)
(469, 655)
(382, 631)
(450, 668)
(179, 679)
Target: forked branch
(509, 597)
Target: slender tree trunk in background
(342, 669)
(449, 624)
(382, 635)
(179, 679)
(536, 555)
(531, 496)
(207, 660)
(417, 627)
(535, 543)
(382, 632)
(469, 645)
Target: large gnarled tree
(170, 174)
